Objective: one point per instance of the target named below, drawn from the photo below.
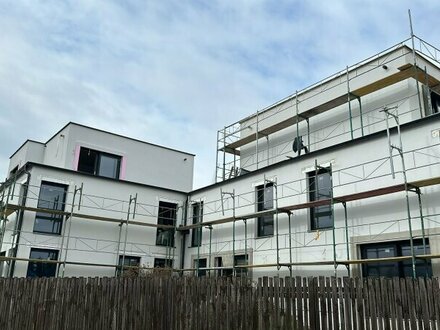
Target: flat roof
(102, 131)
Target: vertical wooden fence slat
(219, 303)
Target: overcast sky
(174, 72)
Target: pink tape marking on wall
(76, 157)
(123, 168)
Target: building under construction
(340, 178)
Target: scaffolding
(288, 196)
(137, 214)
(420, 64)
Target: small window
(197, 217)
(163, 263)
(53, 197)
(264, 197)
(99, 163)
(395, 249)
(167, 215)
(129, 261)
(320, 187)
(40, 269)
(201, 264)
(241, 260)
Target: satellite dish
(298, 144)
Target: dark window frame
(197, 217)
(97, 163)
(264, 202)
(201, 263)
(128, 262)
(51, 217)
(42, 267)
(163, 263)
(240, 260)
(399, 269)
(164, 236)
(316, 193)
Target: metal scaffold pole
(297, 119)
(276, 225)
(289, 214)
(132, 200)
(67, 228)
(349, 104)
(199, 233)
(400, 151)
(210, 248)
(3, 216)
(422, 226)
(245, 242)
(257, 138)
(415, 63)
(347, 243)
(233, 233)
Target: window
(197, 217)
(99, 163)
(435, 102)
(52, 197)
(40, 269)
(264, 197)
(201, 264)
(320, 187)
(163, 263)
(395, 249)
(167, 214)
(241, 260)
(129, 261)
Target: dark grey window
(320, 188)
(435, 102)
(163, 263)
(167, 215)
(40, 269)
(395, 249)
(241, 260)
(129, 261)
(264, 197)
(53, 197)
(201, 264)
(197, 217)
(99, 163)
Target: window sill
(267, 236)
(46, 233)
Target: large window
(167, 214)
(40, 269)
(395, 249)
(197, 217)
(163, 263)
(264, 197)
(200, 263)
(99, 163)
(129, 261)
(320, 187)
(241, 260)
(52, 197)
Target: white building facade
(324, 182)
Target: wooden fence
(219, 303)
